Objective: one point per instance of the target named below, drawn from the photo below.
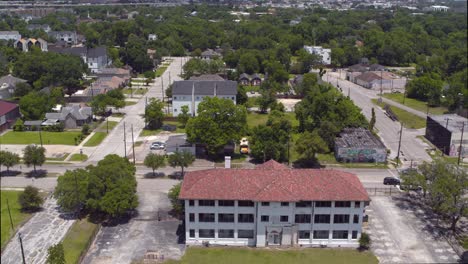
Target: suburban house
(70, 37)
(26, 44)
(318, 50)
(384, 80)
(111, 72)
(191, 93)
(71, 117)
(95, 58)
(446, 132)
(8, 85)
(360, 68)
(359, 145)
(9, 112)
(253, 80)
(9, 35)
(46, 28)
(273, 205)
(210, 54)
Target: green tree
(34, 105)
(154, 114)
(364, 241)
(34, 155)
(173, 195)
(218, 123)
(372, 121)
(425, 88)
(22, 89)
(56, 254)
(248, 63)
(72, 190)
(99, 104)
(29, 199)
(181, 159)
(267, 143)
(154, 161)
(309, 144)
(19, 125)
(8, 159)
(184, 115)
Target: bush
(56, 254)
(173, 195)
(19, 125)
(85, 129)
(364, 241)
(29, 199)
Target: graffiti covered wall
(361, 154)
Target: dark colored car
(391, 181)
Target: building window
(206, 233)
(206, 203)
(304, 234)
(354, 235)
(191, 202)
(284, 218)
(356, 219)
(340, 234)
(322, 219)
(192, 217)
(175, 97)
(284, 204)
(226, 218)
(321, 234)
(323, 204)
(175, 109)
(302, 218)
(343, 204)
(245, 218)
(245, 203)
(192, 233)
(304, 204)
(245, 233)
(265, 204)
(206, 217)
(225, 203)
(357, 204)
(233, 98)
(340, 219)
(226, 233)
(265, 218)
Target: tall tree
(34, 155)
(184, 115)
(154, 161)
(181, 159)
(72, 190)
(309, 144)
(29, 199)
(154, 114)
(8, 159)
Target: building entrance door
(274, 238)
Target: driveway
(44, 229)
(402, 233)
(126, 242)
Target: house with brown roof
(380, 80)
(273, 205)
(9, 112)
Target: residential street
(412, 148)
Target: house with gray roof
(8, 85)
(44, 27)
(96, 58)
(70, 116)
(192, 92)
(210, 54)
(9, 35)
(359, 145)
(70, 37)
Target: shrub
(29, 199)
(85, 129)
(19, 125)
(364, 241)
(56, 254)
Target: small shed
(359, 145)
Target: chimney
(227, 162)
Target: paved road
(43, 230)
(412, 148)
(114, 142)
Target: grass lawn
(112, 124)
(255, 119)
(160, 71)
(148, 132)
(77, 239)
(32, 137)
(415, 104)
(96, 139)
(329, 159)
(16, 215)
(78, 157)
(408, 119)
(135, 90)
(260, 256)
(59, 158)
(128, 103)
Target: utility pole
(381, 80)
(22, 249)
(76, 193)
(133, 147)
(125, 142)
(399, 145)
(162, 87)
(40, 134)
(9, 213)
(461, 146)
(446, 124)
(107, 121)
(427, 111)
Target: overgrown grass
(136, 91)
(17, 216)
(32, 137)
(77, 239)
(160, 71)
(415, 104)
(148, 132)
(408, 119)
(329, 159)
(96, 139)
(268, 256)
(255, 119)
(129, 103)
(78, 157)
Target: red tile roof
(6, 107)
(273, 181)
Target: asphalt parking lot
(127, 242)
(402, 233)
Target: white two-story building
(273, 205)
(318, 50)
(192, 92)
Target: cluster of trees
(32, 156)
(154, 114)
(109, 188)
(198, 66)
(444, 187)
(114, 98)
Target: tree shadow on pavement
(36, 174)
(9, 173)
(181, 233)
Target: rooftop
(452, 122)
(204, 87)
(358, 138)
(6, 107)
(273, 181)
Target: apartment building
(273, 205)
(319, 50)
